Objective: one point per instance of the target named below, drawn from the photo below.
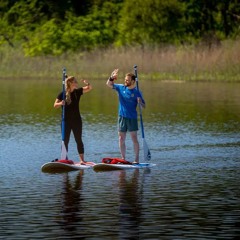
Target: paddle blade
(64, 151)
(146, 151)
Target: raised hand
(114, 74)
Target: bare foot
(135, 162)
(90, 163)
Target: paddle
(64, 150)
(146, 151)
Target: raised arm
(111, 79)
(88, 86)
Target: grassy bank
(186, 63)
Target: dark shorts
(127, 124)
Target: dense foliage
(48, 27)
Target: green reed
(185, 63)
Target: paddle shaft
(147, 154)
(140, 108)
(63, 107)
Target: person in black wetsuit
(73, 120)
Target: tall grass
(221, 63)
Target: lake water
(192, 130)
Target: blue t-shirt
(127, 101)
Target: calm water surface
(192, 130)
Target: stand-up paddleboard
(109, 164)
(120, 166)
(64, 166)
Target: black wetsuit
(73, 120)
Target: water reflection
(129, 205)
(71, 203)
(168, 102)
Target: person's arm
(111, 79)
(141, 103)
(58, 103)
(141, 100)
(88, 86)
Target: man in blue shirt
(129, 97)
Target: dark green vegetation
(47, 27)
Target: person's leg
(135, 145)
(133, 128)
(122, 145)
(122, 132)
(81, 156)
(77, 132)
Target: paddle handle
(136, 75)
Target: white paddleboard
(64, 167)
(110, 167)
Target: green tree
(230, 17)
(215, 17)
(76, 33)
(20, 20)
(46, 40)
(47, 27)
(151, 21)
